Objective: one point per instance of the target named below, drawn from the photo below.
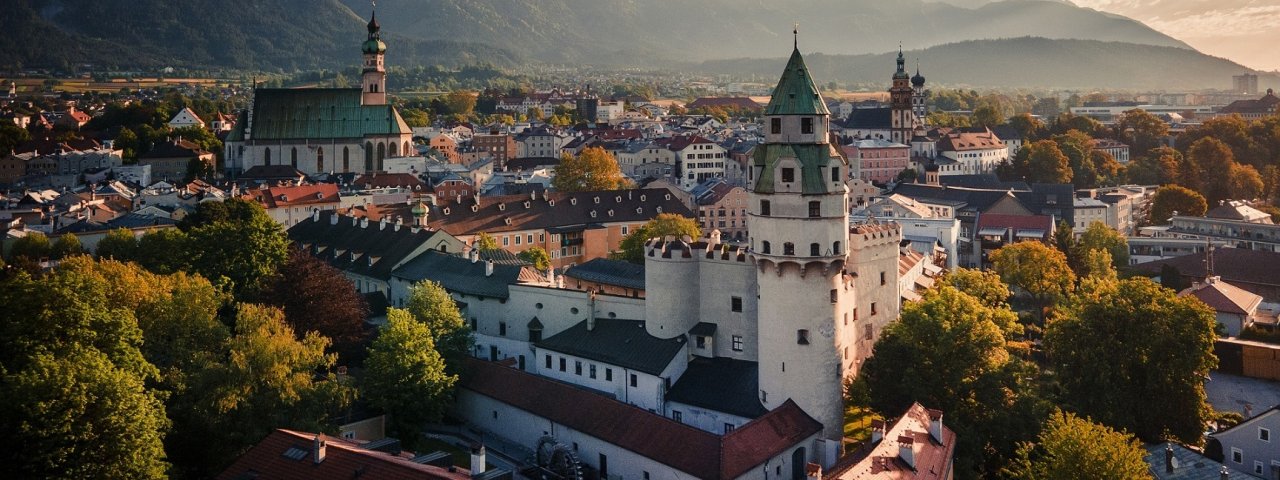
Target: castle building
(732, 363)
(323, 130)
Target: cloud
(1236, 29)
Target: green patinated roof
(237, 132)
(320, 113)
(373, 46)
(796, 94)
(812, 158)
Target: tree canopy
(408, 375)
(1175, 198)
(536, 256)
(1039, 270)
(432, 305)
(1121, 344)
(1070, 447)
(631, 248)
(593, 169)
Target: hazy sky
(1246, 31)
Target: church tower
(375, 73)
(799, 233)
(918, 97)
(900, 96)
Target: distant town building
(879, 160)
(186, 118)
(1244, 84)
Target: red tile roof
(681, 142)
(968, 141)
(343, 460)
(275, 197)
(881, 461)
(1224, 297)
(682, 447)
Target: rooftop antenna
(1208, 258)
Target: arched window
(835, 248)
(346, 159)
(319, 159)
(814, 250)
(788, 248)
(293, 157)
(764, 247)
(382, 153)
(368, 157)
(266, 156)
(815, 209)
(407, 151)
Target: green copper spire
(796, 94)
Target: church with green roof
(323, 130)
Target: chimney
(488, 268)
(713, 238)
(877, 431)
(382, 224)
(355, 221)
(475, 254)
(364, 222)
(315, 215)
(551, 275)
(318, 451)
(477, 459)
(1168, 458)
(906, 451)
(333, 219)
(935, 425)
(812, 471)
(1224, 474)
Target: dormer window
(775, 125)
(788, 174)
(806, 125)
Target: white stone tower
(799, 239)
(374, 81)
(902, 123)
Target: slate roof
(344, 459)
(796, 94)
(1235, 265)
(129, 221)
(982, 180)
(624, 343)
(175, 149)
(320, 113)
(609, 272)
(972, 198)
(1188, 465)
(1265, 105)
(721, 384)
(870, 118)
(696, 452)
(370, 251)
(460, 275)
(570, 209)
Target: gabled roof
(278, 197)
(1224, 297)
(307, 113)
(740, 103)
(523, 212)
(796, 94)
(870, 118)
(970, 141)
(369, 250)
(721, 384)
(461, 275)
(1188, 464)
(880, 461)
(624, 343)
(695, 452)
(288, 455)
(609, 272)
(1235, 265)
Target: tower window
(815, 209)
(806, 125)
(835, 174)
(788, 248)
(802, 337)
(835, 295)
(873, 308)
(835, 248)
(775, 125)
(737, 343)
(882, 278)
(764, 205)
(788, 174)
(735, 304)
(764, 246)
(814, 250)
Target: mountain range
(973, 44)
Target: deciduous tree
(631, 248)
(593, 169)
(1037, 269)
(538, 257)
(1174, 198)
(1213, 163)
(67, 245)
(1101, 237)
(1141, 130)
(405, 375)
(1121, 344)
(119, 244)
(1046, 163)
(317, 298)
(432, 305)
(1071, 447)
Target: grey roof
(982, 180)
(460, 275)
(869, 118)
(1188, 465)
(609, 272)
(975, 199)
(371, 251)
(722, 384)
(617, 342)
(130, 221)
(703, 329)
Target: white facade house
(186, 118)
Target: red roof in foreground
(690, 450)
(274, 197)
(882, 461)
(343, 460)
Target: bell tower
(900, 95)
(799, 243)
(374, 79)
